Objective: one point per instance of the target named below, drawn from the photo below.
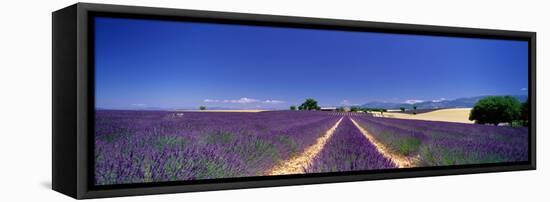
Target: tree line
(489, 110)
(311, 104)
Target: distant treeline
(361, 109)
(311, 104)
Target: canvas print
(186, 101)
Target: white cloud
(413, 101)
(210, 100)
(243, 100)
(139, 105)
(439, 100)
(273, 101)
(523, 89)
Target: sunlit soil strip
(298, 164)
(399, 160)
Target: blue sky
(167, 64)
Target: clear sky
(167, 64)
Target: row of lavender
(348, 150)
(435, 143)
(146, 146)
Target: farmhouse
(346, 109)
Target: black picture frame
(73, 100)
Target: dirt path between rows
(399, 160)
(298, 164)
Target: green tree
(495, 110)
(414, 109)
(293, 108)
(525, 112)
(310, 104)
(202, 107)
(402, 109)
(355, 109)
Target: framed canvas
(156, 100)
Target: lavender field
(145, 146)
(155, 146)
(348, 150)
(435, 143)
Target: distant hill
(456, 103)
